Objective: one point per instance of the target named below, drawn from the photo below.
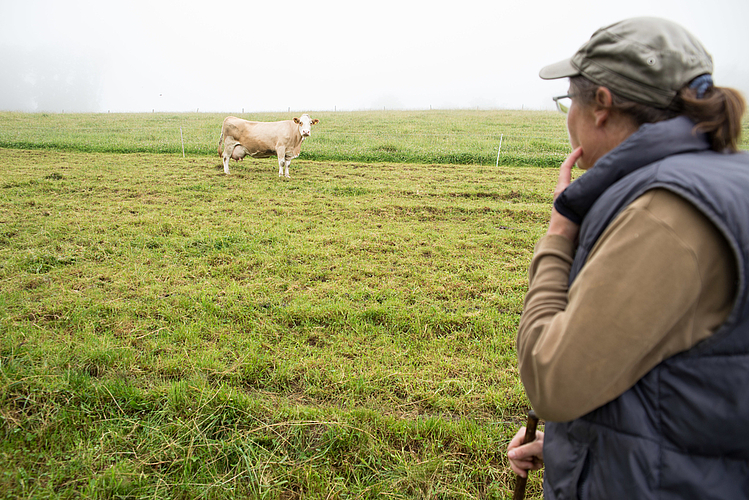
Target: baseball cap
(644, 59)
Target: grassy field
(167, 331)
(532, 138)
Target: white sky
(319, 55)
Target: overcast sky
(319, 55)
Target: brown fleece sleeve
(659, 280)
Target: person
(633, 344)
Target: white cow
(240, 138)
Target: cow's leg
(229, 144)
(281, 154)
(232, 149)
(287, 163)
(225, 158)
(280, 167)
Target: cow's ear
(315, 121)
(297, 121)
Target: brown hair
(718, 113)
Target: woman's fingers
(565, 171)
(525, 457)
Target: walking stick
(530, 435)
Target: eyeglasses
(563, 102)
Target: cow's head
(305, 124)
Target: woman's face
(593, 126)
(582, 131)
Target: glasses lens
(563, 104)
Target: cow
(240, 138)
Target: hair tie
(701, 84)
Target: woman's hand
(525, 457)
(559, 224)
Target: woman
(634, 341)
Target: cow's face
(305, 124)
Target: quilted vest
(683, 430)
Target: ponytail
(718, 114)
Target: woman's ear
(602, 109)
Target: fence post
(499, 149)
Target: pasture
(530, 138)
(167, 331)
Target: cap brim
(562, 69)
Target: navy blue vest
(683, 430)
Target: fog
(136, 56)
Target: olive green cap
(644, 59)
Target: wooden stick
(530, 435)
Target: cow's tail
(220, 140)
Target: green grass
(454, 137)
(169, 331)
